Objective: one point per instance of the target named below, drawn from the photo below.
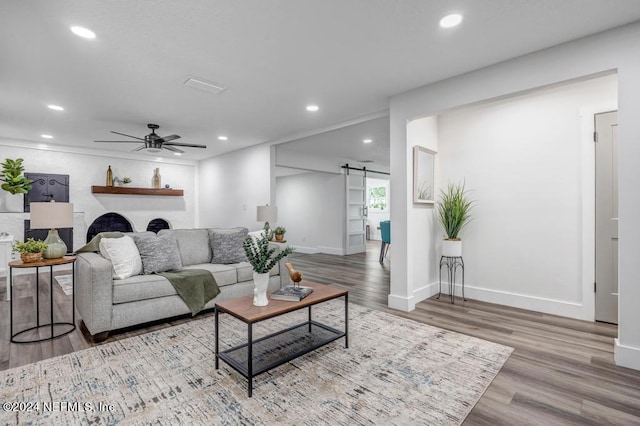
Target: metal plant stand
(452, 264)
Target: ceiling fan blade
(140, 148)
(129, 136)
(169, 138)
(170, 148)
(185, 144)
(120, 141)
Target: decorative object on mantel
(262, 259)
(157, 180)
(109, 177)
(126, 180)
(279, 232)
(30, 250)
(454, 213)
(50, 216)
(15, 183)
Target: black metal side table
(452, 264)
(44, 263)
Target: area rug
(395, 371)
(65, 282)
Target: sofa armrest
(94, 291)
(285, 280)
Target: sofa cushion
(193, 244)
(124, 256)
(226, 244)
(141, 287)
(159, 254)
(224, 274)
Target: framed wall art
(423, 175)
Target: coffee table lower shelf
(281, 347)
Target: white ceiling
(274, 56)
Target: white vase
(261, 283)
(452, 248)
(13, 202)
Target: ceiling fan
(155, 143)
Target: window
(378, 198)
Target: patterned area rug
(395, 371)
(66, 283)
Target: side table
(452, 264)
(50, 263)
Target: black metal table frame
(249, 374)
(452, 264)
(52, 323)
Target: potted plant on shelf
(126, 180)
(262, 258)
(15, 183)
(279, 232)
(454, 213)
(30, 250)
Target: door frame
(588, 159)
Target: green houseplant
(13, 181)
(30, 250)
(454, 213)
(280, 231)
(262, 258)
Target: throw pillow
(124, 256)
(94, 244)
(226, 244)
(159, 254)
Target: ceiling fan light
(152, 149)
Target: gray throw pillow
(226, 244)
(159, 254)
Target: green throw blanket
(195, 286)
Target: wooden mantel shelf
(125, 190)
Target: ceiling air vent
(202, 84)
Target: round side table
(50, 263)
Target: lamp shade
(51, 215)
(267, 213)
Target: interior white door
(356, 211)
(606, 286)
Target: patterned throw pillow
(159, 254)
(226, 244)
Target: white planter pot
(261, 283)
(452, 248)
(13, 202)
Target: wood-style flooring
(561, 371)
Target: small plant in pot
(126, 180)
(262, 258)
(279, 231)
(30, 250)
(454, 213)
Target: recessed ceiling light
(222, 138)
(312, 108)
(450, 21)
(367, 141)
(83, 32)
(55, 107)
(46, 136)
(177, 153)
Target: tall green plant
(12, 177)
(259, 255)
(454, 209)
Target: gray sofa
(106, 304)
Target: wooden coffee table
(263, 354)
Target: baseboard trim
(331, 250)
(532, 303)
(306, 250)
(401, 303)
(626, 356)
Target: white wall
(311, 207)
(612, 50)
(233, 185)
(523, 160)
(85, 170)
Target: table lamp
(267, 214)
(51, 216)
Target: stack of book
(291, 293)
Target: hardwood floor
(561, 371)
